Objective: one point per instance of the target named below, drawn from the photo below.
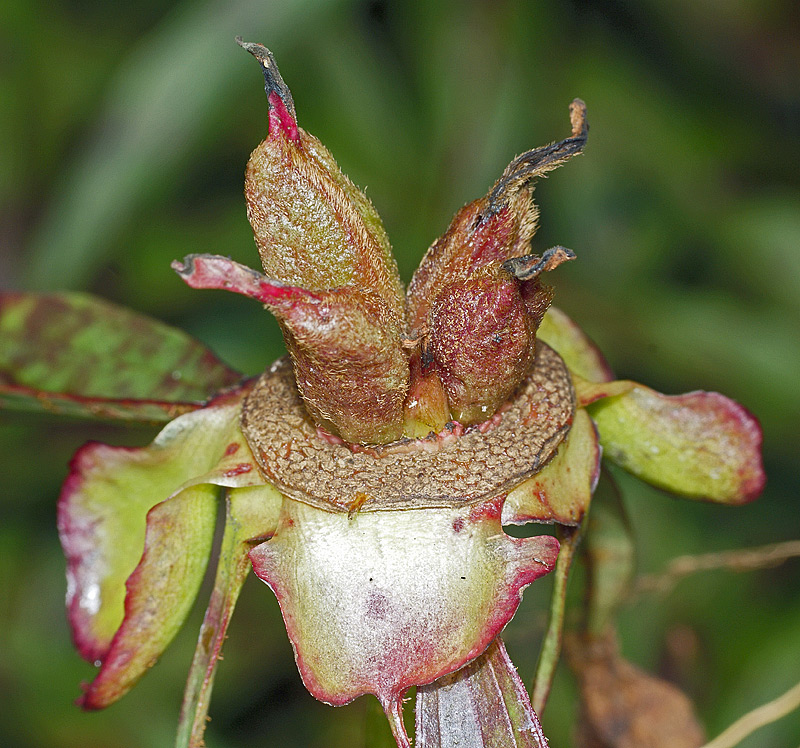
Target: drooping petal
(580, 354)
(483, 705)
(561, 492)
(701, 445)
(113, 508)
(378, 602)
(79, 355)
(160, 591)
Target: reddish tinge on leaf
(701, 445)
(77, 355)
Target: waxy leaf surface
(700, 445)
(78, 355)
(483, 705)
(146, 516)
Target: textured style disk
(447, 470)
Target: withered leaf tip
(273, 81)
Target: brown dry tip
(273, 81)
(577, 116)
(529, 267)
(539, 161)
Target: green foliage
(97, 360)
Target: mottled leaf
(483, 705)
(113, 513)
(251, 515)
(561, 492)
(78, 355)
(580, 354)
(701, 445)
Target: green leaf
(580, 354)
(483, 704)
(146, 516)
(251, 515)
(78, 355)
(701, 445)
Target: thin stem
(394, 713)
(551, 646)
(232, 569)
(752, 721)
(745, 559)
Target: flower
(367, 477)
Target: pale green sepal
(160, 592)
(106, 498)
(701, 445)
(580, 354)
(562, 490)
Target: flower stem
(232, 569)
(394, 713)
(551, 646)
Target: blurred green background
(126, 131)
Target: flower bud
(476, 300)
